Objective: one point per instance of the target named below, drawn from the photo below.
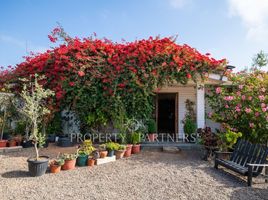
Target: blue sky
(232, 29)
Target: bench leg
(266, 174)
(215, 164)
(250, 176)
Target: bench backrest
(246, 152)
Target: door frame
(176, 111)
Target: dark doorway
(167, 112)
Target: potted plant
(136, 138)
(128, 150)
(5, 104)
(103, 151)
(69, 161)
(111, 147)
(228, 139)
(54, 127)
(55, 165)
(119, 153)
(34, 108)
(152, 130)
(12, 142)
(84, 152)
(91, 161)
(20, 131)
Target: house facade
(171, 105)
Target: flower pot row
(10, 143)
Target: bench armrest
(257, 165)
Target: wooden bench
(247, 159)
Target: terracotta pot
(91, 162)
(69, 164)
(103, 154)
(3, 143)
(55, 168)
(119, 154)
(128, 150)
(136, 148)
(18, 139)
(151, 137)
(12, 143)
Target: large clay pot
(91, 162)
(3, 143)
(38, 167)
(55, 168)
(64, 142)
(119, 154)
(136, 148)
(18, 139)
(151, 137)
(12, 143)
(128, 150)
(69, 164)
(103, 154)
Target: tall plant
(5, 104)
(244, 105)
(34, 108)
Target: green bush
(189, 126)
(152, 128)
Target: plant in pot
(111, 147)
(69, 161)
(103, 151)
(5, 104)
(228, 139)
(55, 165)
(136, 139)
(93, 157)
(20, 131)
(84, 152)
(151, 130)
(91, 161)
(12, 142)
(189, 125)
(54, 127)
(119, 153)
(189, 128)
(34, 97)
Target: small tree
(260, 60)
(34, 97)
(5, 104)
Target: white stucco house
(171, 108)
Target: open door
(167, 113)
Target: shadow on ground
(16, 174)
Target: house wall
(184, 93)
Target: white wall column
(200, 105)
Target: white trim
(200, 106)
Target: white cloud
(254, 15)
(177, 4)
(12, 41)
(25, 45)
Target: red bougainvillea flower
(52, 39)
(71, 84)
(189, 76)
(81, 73)
(121, 85)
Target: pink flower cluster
(218, 90)
(228, 98)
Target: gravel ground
(149, 175)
